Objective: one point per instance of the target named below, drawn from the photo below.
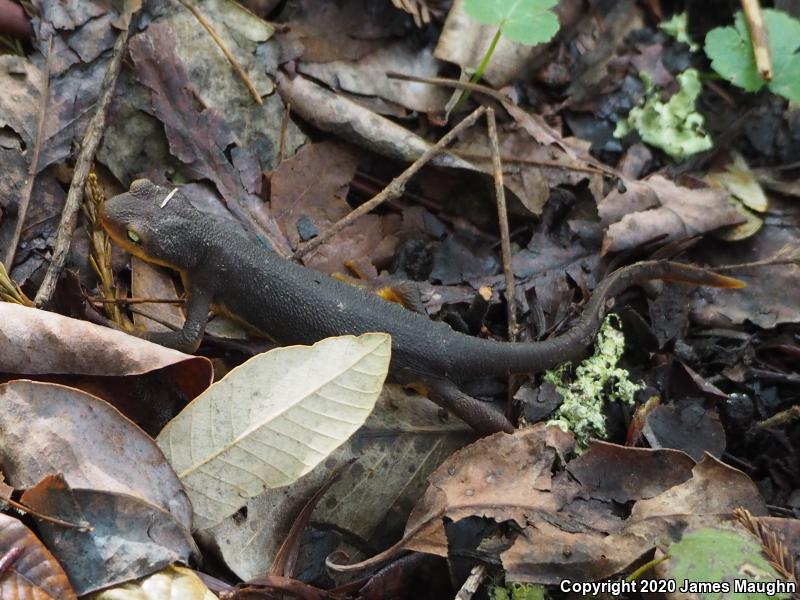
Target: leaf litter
(330, 130)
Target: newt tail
(223, 267)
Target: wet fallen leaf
(272, 420)
(90, 444)
(35, 574)
(686, 426)
(400, 444)
(658, 208)
(770, 298)
(568, 528)
(366, 77)
(150, 281)
(37, 342)
(175, 583)
(129, 537)
(307, 206)
(356, 124)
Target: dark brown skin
(223, 267)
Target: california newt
(223, 267)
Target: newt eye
(134, 237)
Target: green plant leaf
(721, 555)
(731, 54)
(526, 22)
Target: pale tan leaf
(175, 583)
(46, 343)
(273, 419)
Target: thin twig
(221, 43)
(786, 255)
(284, 129)
(472, 583)
(502, 218)
(759, 38)
(452, 83)
(515, 112)
(33, 167)
(91, 140)
(137, 300)
(83, 526)
(553, 164)
(391, 191)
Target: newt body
(221, 266)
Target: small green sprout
(526, 22)
(517, 591)
(674, 126)
(596, 380)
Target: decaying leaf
(569, 527)
(34, 574)
(658, 208)
(745, 188)
(400, 444)
(175, 583)
(366, 77)
(47, 343)
(90, 444)
(356, 124)
(272, 420)
(770, 297)
(129, 537)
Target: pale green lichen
(595, 381)
(678, 27)
(517, 591)
(674, 126)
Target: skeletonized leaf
(32, 572)
(175, 583)
(273, 419)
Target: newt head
(140, 222)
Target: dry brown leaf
(129, 537)
(499, 476)
(91, 444)
(356, 124)
(152, 282)
(37, 342)
(35, 574)
(464, 41)
(366, 77)
(572, 522)
(658, 208)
